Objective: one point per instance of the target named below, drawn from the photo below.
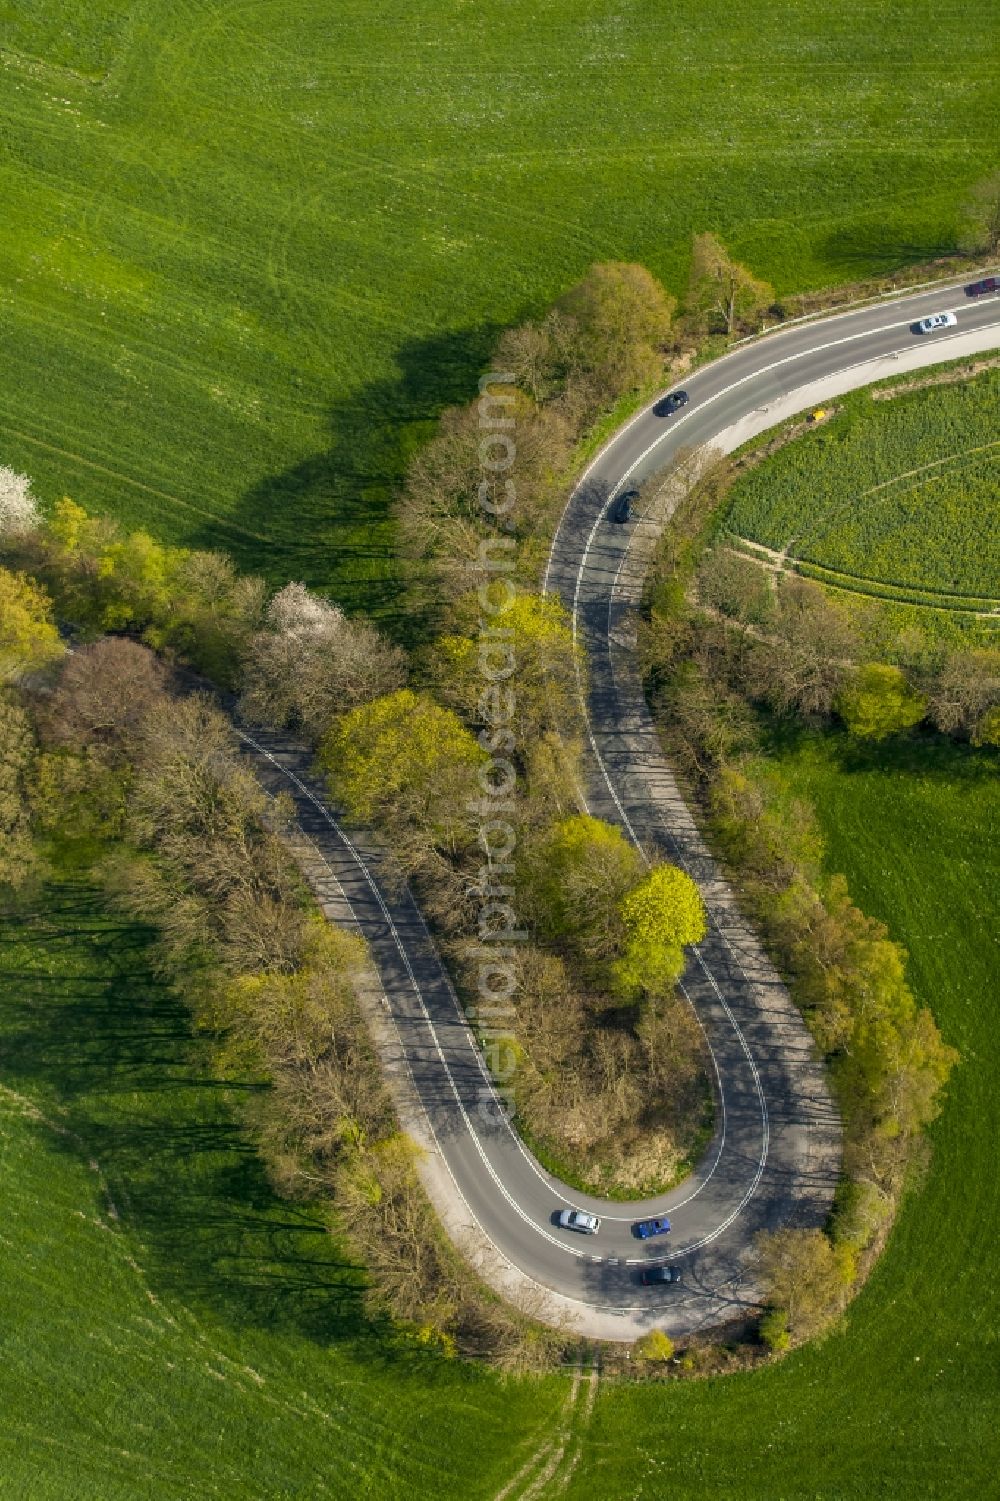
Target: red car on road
(988, 284)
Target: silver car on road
(575, 1219)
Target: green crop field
(894, 498)
(248, 251)
(902, 1402)
(169, 1328)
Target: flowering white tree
(18, 508)
(312, 663)
(296, 611)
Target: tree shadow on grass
(922, 753)
(867, 250)
(107, 1052)
(328, 519)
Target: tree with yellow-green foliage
(518, 683)
(987, 731)
(68, 553)
(18, 857)
(77, 796)
(587, 892)
(896, 1053)
(577, 877)
(877, 701)
(295, 1018)
(408, 764)
(774, 1330)
(722, 295)
(806, 1278)
(29, 640)
(654, 1346)
(662, 915)
(101, 579)
(620, 317)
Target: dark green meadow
(170, 1328)
(248, 252)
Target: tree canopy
(404, 760)
(29, 640)
(578, 876)
(660, 917)
(311, 663)
(722, 295)
(805, 1275)
(525, 678)
(18, 857)
(102, 579)
(877, 701)
(622, 316)
(987, 730)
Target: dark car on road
(651, 1276)
(671, 403)
(647, 1228)
(988, 284)
(623, 506)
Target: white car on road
(575, 1219)
(937, 320)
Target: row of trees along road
(104, 763)
(721, 646)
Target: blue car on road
(646, 1228)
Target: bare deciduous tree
(737, 586)
(722, 295)
(967, 685)
(102, 698)
(452, 500)
(802, 666)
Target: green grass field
(248, 251)
(169, 1328)
(903, 1402)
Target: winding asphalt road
(775, 1155)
